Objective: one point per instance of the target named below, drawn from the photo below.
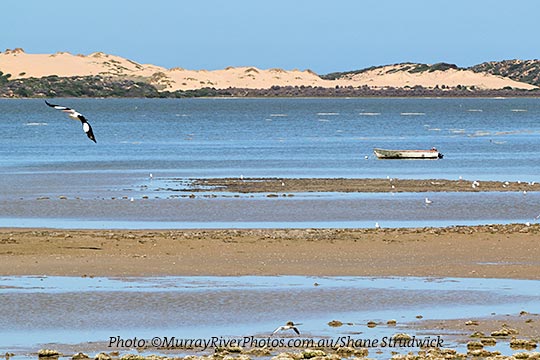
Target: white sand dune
(397, 76)
(24, 65)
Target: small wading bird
(76, 116)
(288, 326)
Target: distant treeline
(76, 86)
(365, 91)
(98, 86)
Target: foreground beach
(495, 251)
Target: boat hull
(407, 154)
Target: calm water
(64, 310)
(481, 138)
(44, 153)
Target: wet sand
(517, 334)
(281, 185)
(523, 325)
(494, 251)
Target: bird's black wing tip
(48, 103)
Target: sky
(324, 36)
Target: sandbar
(291, 185)
(491, 251)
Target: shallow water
(64, 310)
(303, 210)
(45, 154)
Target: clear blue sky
(325, 36)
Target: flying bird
(288, 326)
(76, 116)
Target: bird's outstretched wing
(281, 328)
(76, 115)
(81, 117)
(88, 130)
(57, 107)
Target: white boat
(432, 153)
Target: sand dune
(244, 77)
(398, 76)
(24, 65)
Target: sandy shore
(257, 185)
(498, 251)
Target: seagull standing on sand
(288, 326)
(76, 116)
